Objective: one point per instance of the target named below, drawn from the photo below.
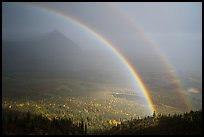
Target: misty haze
(101, 68)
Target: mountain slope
(48, 53)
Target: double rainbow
(135, 25)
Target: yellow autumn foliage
(85, 110)
(114, 122)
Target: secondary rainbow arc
(162, 57)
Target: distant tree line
(177, 124)
(19, 123)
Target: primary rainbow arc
(162, 57)
(110, 46)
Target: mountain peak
(56, 38)
(56, 34)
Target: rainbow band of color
(162, 57)
(111, 46)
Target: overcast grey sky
(176, 28)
